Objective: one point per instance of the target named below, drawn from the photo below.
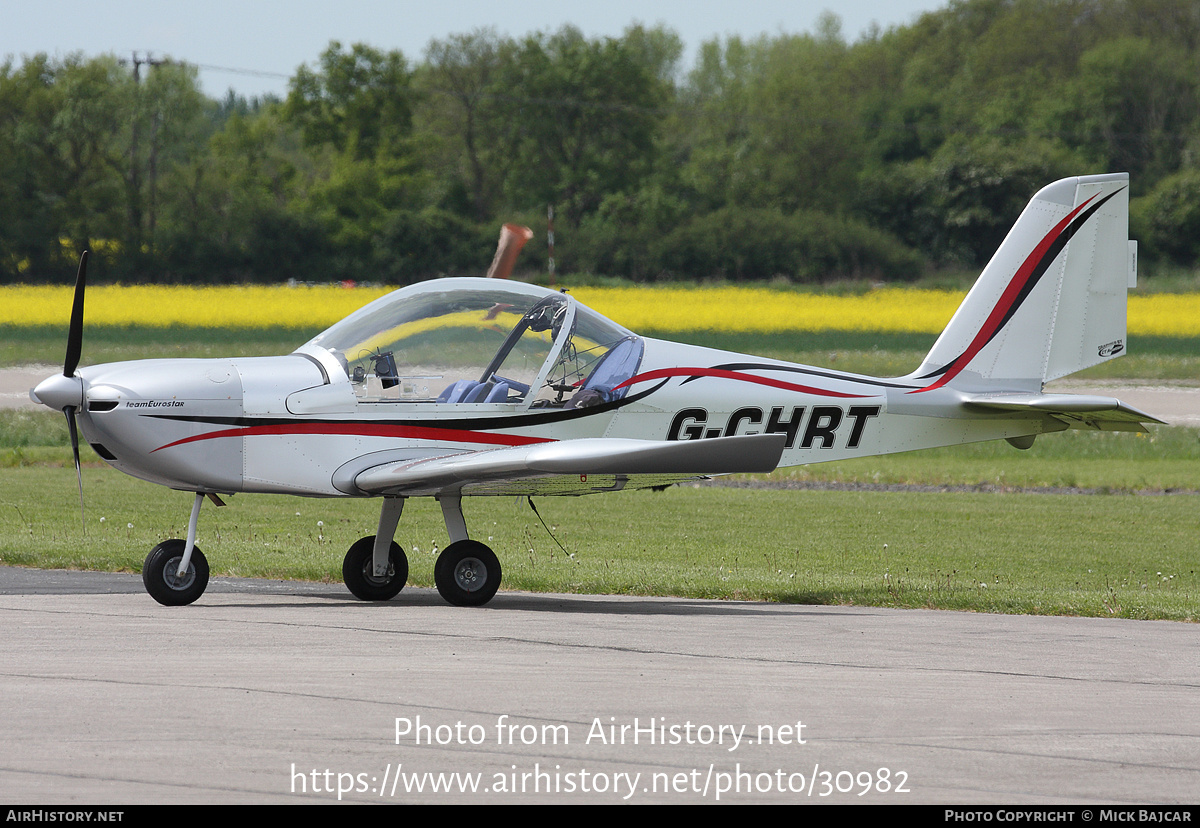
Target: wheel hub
(171, 574)
(378, 580)
(470, 574)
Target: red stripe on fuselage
(368, 430)
(720, 373)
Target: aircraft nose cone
(59, 392)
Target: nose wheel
(467, 573)
(160, 574)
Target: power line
(257, 73)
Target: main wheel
(160, 574)
(467, 573)
(358, 571)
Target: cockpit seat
(474, 391)
(619, 364)
(487, 392)
(456, 391)
(498, 394)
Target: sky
(253, 47)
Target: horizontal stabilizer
(596, 456)
(1078, 410)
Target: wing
(574, 466)
(1076, 410)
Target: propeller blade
(75, 332)
(71, 427)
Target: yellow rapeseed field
(201, 307)
(663, 309)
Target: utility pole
(135, 174)
(550, 240)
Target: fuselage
(468, 365)
(294, 424)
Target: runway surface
(278, 692)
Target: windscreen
(482, 341)
(422, 342)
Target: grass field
(1129, 556)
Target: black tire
(162, 582)
(467, 573)
(358, 571)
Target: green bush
(1167, 221)
(424, 244)
(745, 244)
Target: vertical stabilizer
(1052, 300)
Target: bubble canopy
(482, 341)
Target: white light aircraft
(457, 387)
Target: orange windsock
(512, 239)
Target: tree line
(805, 157)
